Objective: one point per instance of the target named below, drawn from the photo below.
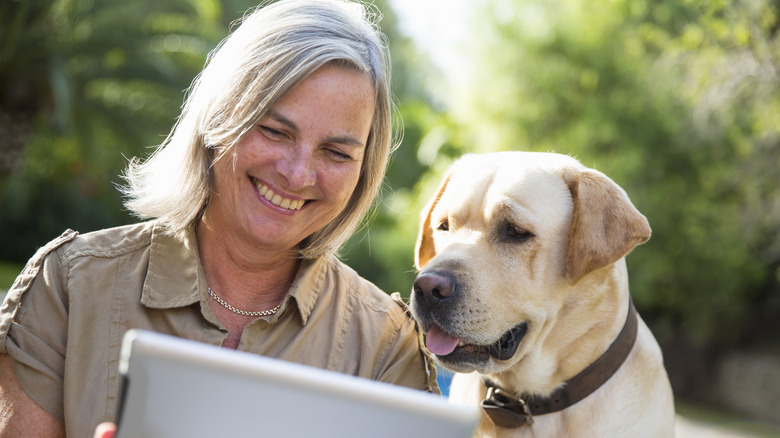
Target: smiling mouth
(446, 346)
(277, 199)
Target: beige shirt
(63, 320)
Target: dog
(522, 291)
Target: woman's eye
(337, 155)
(444, 226)
(272, 133)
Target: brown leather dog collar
(510, 411)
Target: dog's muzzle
(436, 300)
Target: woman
(276, 158)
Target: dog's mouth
(445, 345)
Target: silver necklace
(242, 312)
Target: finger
(105, 430)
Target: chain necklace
(243, 312)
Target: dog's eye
(444, 226)
(516, 233)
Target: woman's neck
(245, 276)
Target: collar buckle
(506, 410)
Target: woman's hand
(105, 430)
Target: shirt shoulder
(369, 296)
(61, 251)
(109, 242)
(24, 280)
(386, 323)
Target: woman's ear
(605, 225)
(425, 250)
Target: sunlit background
(677, 100)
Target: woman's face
(296, 170)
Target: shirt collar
(308, 284)
(174, 277)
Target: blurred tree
(83, 84)
(678, 102)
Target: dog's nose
(433, 287)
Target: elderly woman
(276, 158)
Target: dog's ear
(605, 225)
(424, 250)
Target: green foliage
(92, 82)
(677, 101)
(8, 273)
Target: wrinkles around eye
(272, 133)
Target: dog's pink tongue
(440, 342)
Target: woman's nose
(297, 167)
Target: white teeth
(276, 199)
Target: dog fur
(540, 239)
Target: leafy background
(677, 100)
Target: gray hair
(274, 49)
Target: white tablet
(179, 388)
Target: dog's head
(503, 245)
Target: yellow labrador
(523, 292)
